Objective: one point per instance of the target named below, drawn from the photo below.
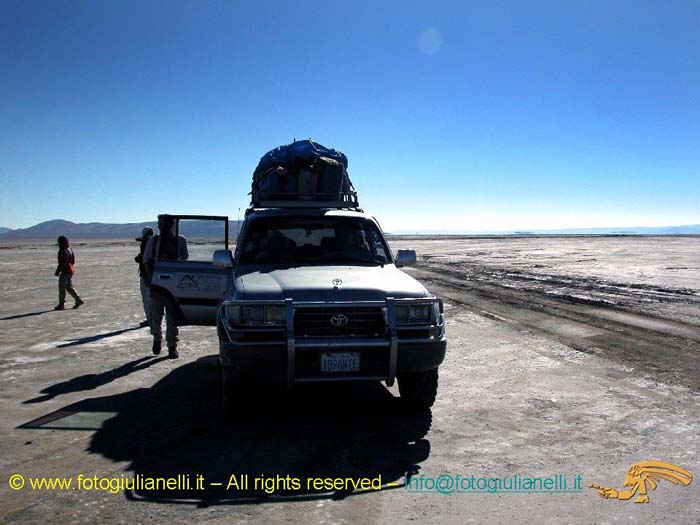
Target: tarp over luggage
(302, 172)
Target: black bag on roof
(301, 173)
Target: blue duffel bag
(302, 170)
(297, 154)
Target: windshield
(313, 240)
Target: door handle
(166, 276)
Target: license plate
(340, 362)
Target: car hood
(314, 283)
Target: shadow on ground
(93, 338)
(21, 316)
(324, 430)
(92, 381)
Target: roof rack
(306, 200)
(254, 209)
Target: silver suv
(312, 295)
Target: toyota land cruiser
(313, 293)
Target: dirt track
(572, 356)
(665, 347)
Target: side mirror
(405, 258)
(223, 259)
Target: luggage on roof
(303, 174)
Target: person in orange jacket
(64, 272)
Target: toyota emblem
(337, 281)
(339, 320)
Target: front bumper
(281, 354)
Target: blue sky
(454, 115)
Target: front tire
(418, 389)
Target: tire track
(669, 350)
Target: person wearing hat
(64, 272)
(145, 278)
(166, 246)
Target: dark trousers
(158, 311)
(65, 284)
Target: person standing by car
(64, 272)
(145, 284)
(165, 246)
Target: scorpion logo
(644, 476)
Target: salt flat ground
(567, 355)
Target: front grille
(317, 322)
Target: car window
(201, 238)
(311, 240)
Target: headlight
(232, 313)
(276, 315)
(254, 315)
(416, 313)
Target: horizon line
(523, 230)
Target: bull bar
(338, 342)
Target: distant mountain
(96, 230)
(637, 230)
(690, 229)
(210, 229)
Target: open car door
(191, 285)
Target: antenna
(238, 224)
